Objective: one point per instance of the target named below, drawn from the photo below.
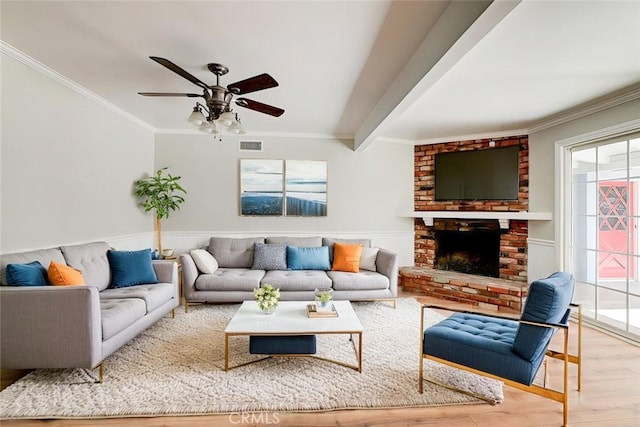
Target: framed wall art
(283, 188)
(306, 188)
(261, 187)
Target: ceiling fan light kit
(217, 99)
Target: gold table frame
(299, 324)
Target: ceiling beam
(460, 27)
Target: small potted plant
(162, 195)
(324, 296)
(267, 298)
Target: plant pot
(323, 299)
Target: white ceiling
(345, 68)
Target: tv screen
(490, 174)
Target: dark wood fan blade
(176, 69)
(253, 84)
(260, 107)
(188, 95)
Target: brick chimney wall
(513, 242)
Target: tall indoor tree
(161, 194)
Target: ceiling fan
(218, 98)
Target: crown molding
(25, 59)
(468, 137)
(390, 140)
(258, 133)
(585, 110)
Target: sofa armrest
(387, 264)
(167, 272)
(189, 275)
(50, 327)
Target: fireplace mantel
(503, 217)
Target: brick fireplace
(487, 263)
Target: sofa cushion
(91, 260)
(45, 256)
(269, 257)
(118, 314)
(232, 252)
(64, 275)
(368, 259)
(315, 258)
(301, 280)
(129, 268)
(205, 262)
(346, 257)
(330, 241)
(307, 242)
(153, 295)
(30, 274)
(230, 279)
(344, 281)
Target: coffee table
(290, 319)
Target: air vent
(250, 145)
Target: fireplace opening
(472, 252)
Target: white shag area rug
(176, 368)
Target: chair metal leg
(421, 371)
(579, 356)
(565, 385)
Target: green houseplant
(162, 194)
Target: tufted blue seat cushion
(480, 342)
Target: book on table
(312, 311)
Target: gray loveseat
(236, 275)
(78, 326)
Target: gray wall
(68, 164)
(365, 189)
(542, 185)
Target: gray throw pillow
(269, 257)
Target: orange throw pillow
(63, 275)
(346, 257)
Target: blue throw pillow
(315, 258)
(130, 268)
(31, 274)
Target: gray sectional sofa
(237, 273)
(78, 326)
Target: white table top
(291, 318)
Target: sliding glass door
(604, 251)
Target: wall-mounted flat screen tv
(490, 174)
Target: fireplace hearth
(472, 252)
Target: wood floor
(610, 397)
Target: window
(603, 250)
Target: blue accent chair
(507, 349)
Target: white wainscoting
(541, 258)
(400, 242)
(132, 242)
